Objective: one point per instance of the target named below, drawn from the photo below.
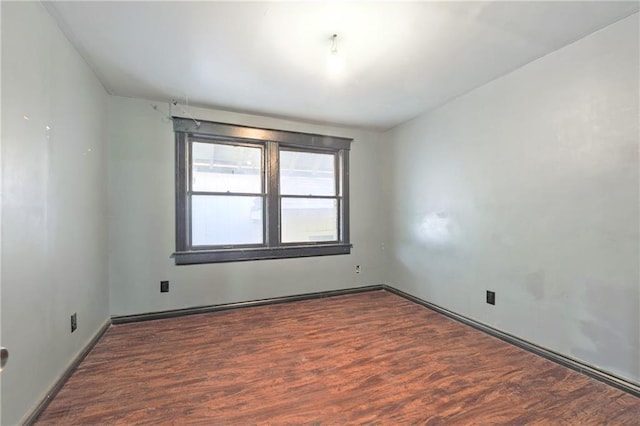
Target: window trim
(187, 130)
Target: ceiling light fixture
(335, 60)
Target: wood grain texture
(365, 358)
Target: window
(244, 193)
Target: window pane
(225, 220)
(309, 219)
(226, 168)
(307, 173)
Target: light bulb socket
(334, 44)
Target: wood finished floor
(366, 358)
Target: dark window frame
(271, 141)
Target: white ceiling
(399, 59)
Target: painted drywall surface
(142, 220)
(54, 245)
(528, 186)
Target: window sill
(262, 253)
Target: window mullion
(272, 216)
(344, 196)
(337, 171)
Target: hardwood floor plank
(365, 358)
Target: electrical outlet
(164, 286)
(357, 269)
(491, 297)
(74, 322)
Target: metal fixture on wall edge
(4, 356)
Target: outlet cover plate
(74, 322)
(491, 297)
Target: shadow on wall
(610, 326)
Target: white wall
(142, 221)
(54, 245)
(529, 186)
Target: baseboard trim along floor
(123, 319)
(31, 418)
(573, 364)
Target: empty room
(320, 213)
